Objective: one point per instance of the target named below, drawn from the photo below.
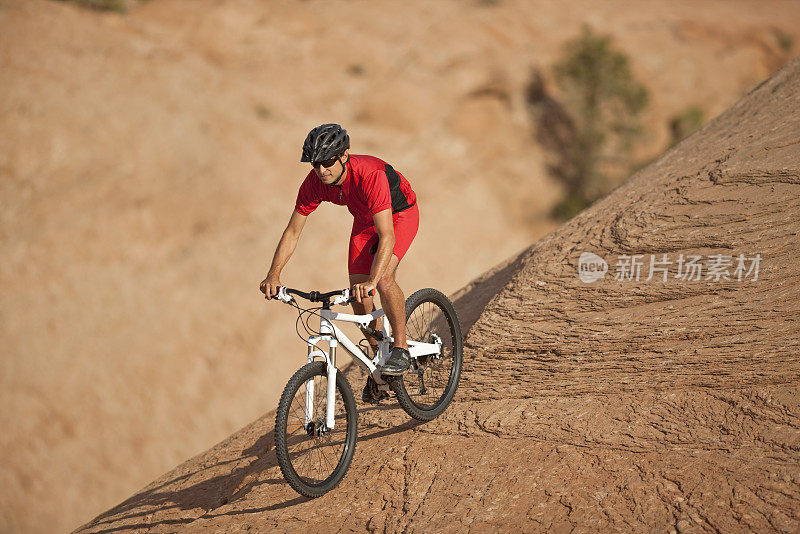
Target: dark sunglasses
(328, 163)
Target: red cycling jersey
(370, 186)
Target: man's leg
(366, 305)
(394, 306)
(394, 303)
(371, 393)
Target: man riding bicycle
(385, 222)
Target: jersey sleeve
(308, 197)
(376, 189)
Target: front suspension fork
(330, 393)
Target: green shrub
(684, 124)
(117, 6)
(262, 112)
(785, 41)
(603, 100)
(356, 70)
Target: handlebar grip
(353, 299)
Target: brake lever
(283, 296)
(353, 299)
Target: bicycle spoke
(327, 462)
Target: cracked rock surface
(666, 404)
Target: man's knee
(386, 283)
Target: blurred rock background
(149, 162)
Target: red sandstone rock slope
(621, 404)
(148, 162)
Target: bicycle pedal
(372, 394)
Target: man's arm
(384, 226)
(283, 252)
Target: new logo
(591, 267)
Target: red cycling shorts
(364, 241)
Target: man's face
(329, 175)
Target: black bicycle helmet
(324, 142)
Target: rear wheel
(426, 389)
(312, 457)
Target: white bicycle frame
(332, 335)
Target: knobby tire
(299, 453)
(428, 312)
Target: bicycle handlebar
(316, 296)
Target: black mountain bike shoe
(372, 394)
(399, 360)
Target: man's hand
(362, 290)
(270, 286)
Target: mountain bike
(316, 424)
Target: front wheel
(312, 457)
(425, 390)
